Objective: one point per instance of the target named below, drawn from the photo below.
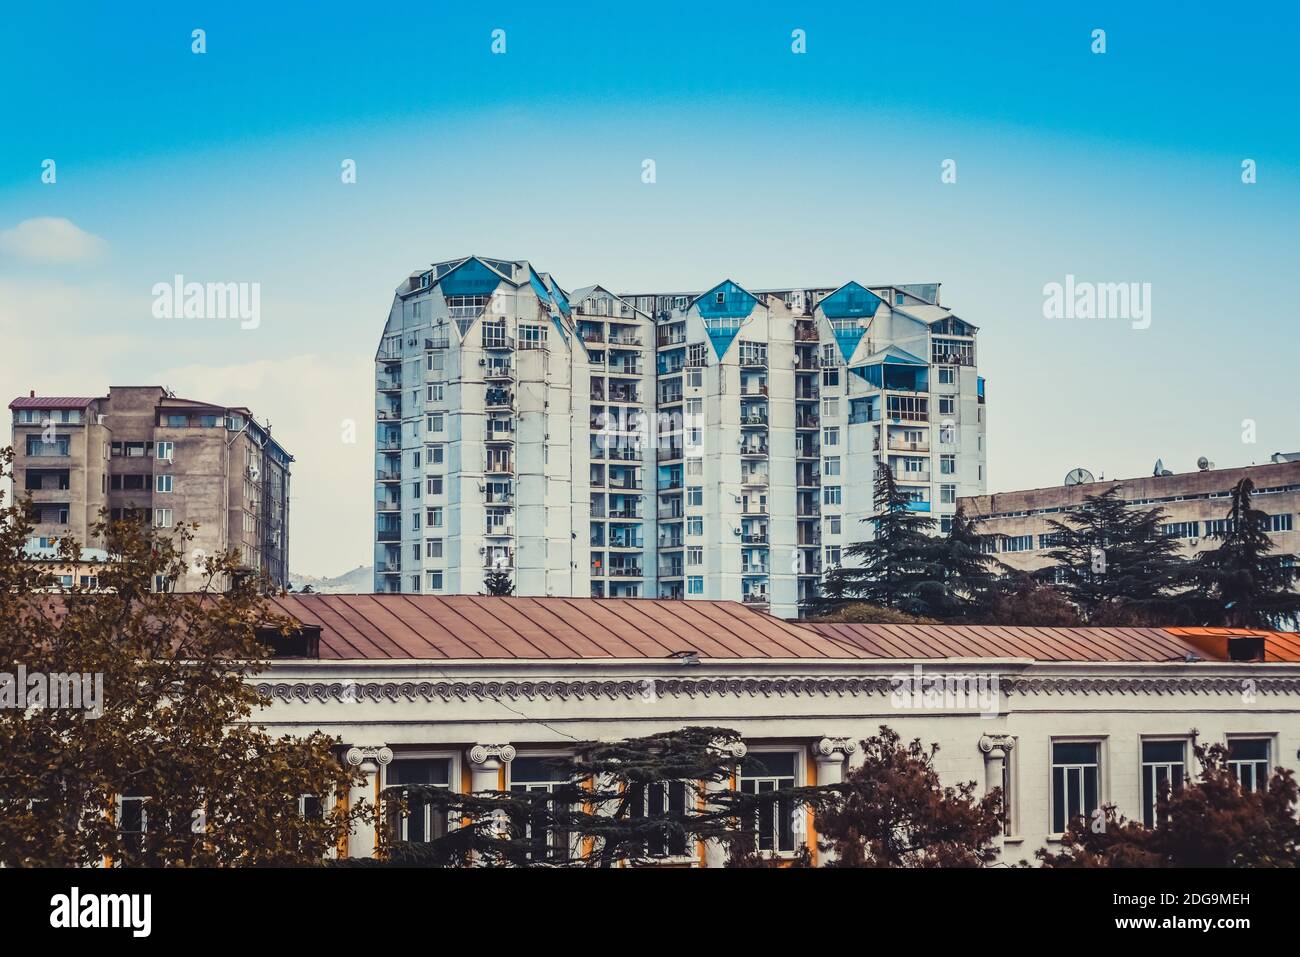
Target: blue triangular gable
(848, 340)
(559, 327)
(850, 301)
(737, 303)
(470, 278)
(539, 287)
(722, 339)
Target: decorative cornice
(357, 756)
(563, 690)
(483, 753)
(838, 748)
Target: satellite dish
(1203, 463)
(1078, 477)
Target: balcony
(807, 422)
(753, 419)
(382, 475)
(808, 478)
(499, 466)
(497, 400)
(500, 435)
(388, 415)
(902, 446)
(497, 370)
(754, 392)
(388, 533)
(806, 451)
(625, 396)
(918, 477)
(669, 454)
(754, 480)
(813, 537)
(753, 508)
(385, 383)
(388, 444)
(754, 598)
(752, 361)
(753, 570)
(497, 340)
(754, 448)
(674, 338)
(625, 571)
(438, 342)
(808, 509)
(754, 538)
(670, 485)
(625, 515)
(498, 529)
(386, 505)
(804, 333)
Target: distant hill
(361, 580)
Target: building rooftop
(51, 402)
(416, 627)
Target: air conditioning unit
(482, 362)
(737, 531)
(482, 550)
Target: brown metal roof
(1278, 645)
(1005, 641)
(51, 402)
(469, 626)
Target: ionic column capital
(483, 753)
(1000, 742)
(358, 756)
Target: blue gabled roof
(892, 355)
(851, 301)
(737, 302)
(470, 278)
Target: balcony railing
(807, 421)
(754, 479)
(754, 598)
(437, 342)
(750, 448)
(754, 538)
(805, 334)
(671, 338)
(630, 571)
(388, 384)
(387, 506)
(382, 475)
(902, 446)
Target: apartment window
(695, 525)
(763, 772)
(695, 555)
(1076, 781)
(831, 495)
(830, 436)
(433, 393)
(531, 337)
(1017, 543)
(436, 422)
(947, 405)
(833, 556)
(695, 495)
(434, 484)
(165, 451)
(830, 377)
(948, 494)
(133, 820)
(1164, 765)
(433, 548)
(830, 408)
(695, 585)
(1248, 760)
(415, 551)
(832, 524)
(435, 580)
(947, 465)
(695, 355)
(947, 375)
(945, 524)
(829, 357)
(437, 454)
(434, 518)
(415, 490)
(162, 483)
(415, 584)
(421, 822)
(831, 465)
(162, 518)
(1279, 523)
(1181, 529)
(695, 466)
(415, 520)
(434, 362)
(532, 775)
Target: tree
(162, 763)
(962, 578)
(894, 812)
(635, 801)
(1108, 555)
(1239, 583)
(1023, 601)
(497, 582)
(891, 565)
(1211, 822)
(863, 613)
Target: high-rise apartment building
(715, 445)
(141, 452)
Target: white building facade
(1060, 736)
(711, 435)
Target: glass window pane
(1163, 751)
(1074, 752)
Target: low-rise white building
(465, 692)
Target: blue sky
(772, 168)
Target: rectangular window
(831, 495)
(437, 454)
(947, 465)
(421, 822)
(162, 518)
(533, 775)
(434, 518)
(1017, 543)
(695, 525)
(433, 484)
(831, 466)
(763, 772)
(830, 437)
(947, 375)
(833, 556)
(695, 555)
(1164, 765)
(165, 451)
(947, 494)
(435, 580)
(436, 422)
(433, 392)
(832, 524)
(1076, 781)
(695, 585)
(695, 495)
(1248, 760)
(162, 483)
(947, 405)
(433, 548)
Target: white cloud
(51, 239)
